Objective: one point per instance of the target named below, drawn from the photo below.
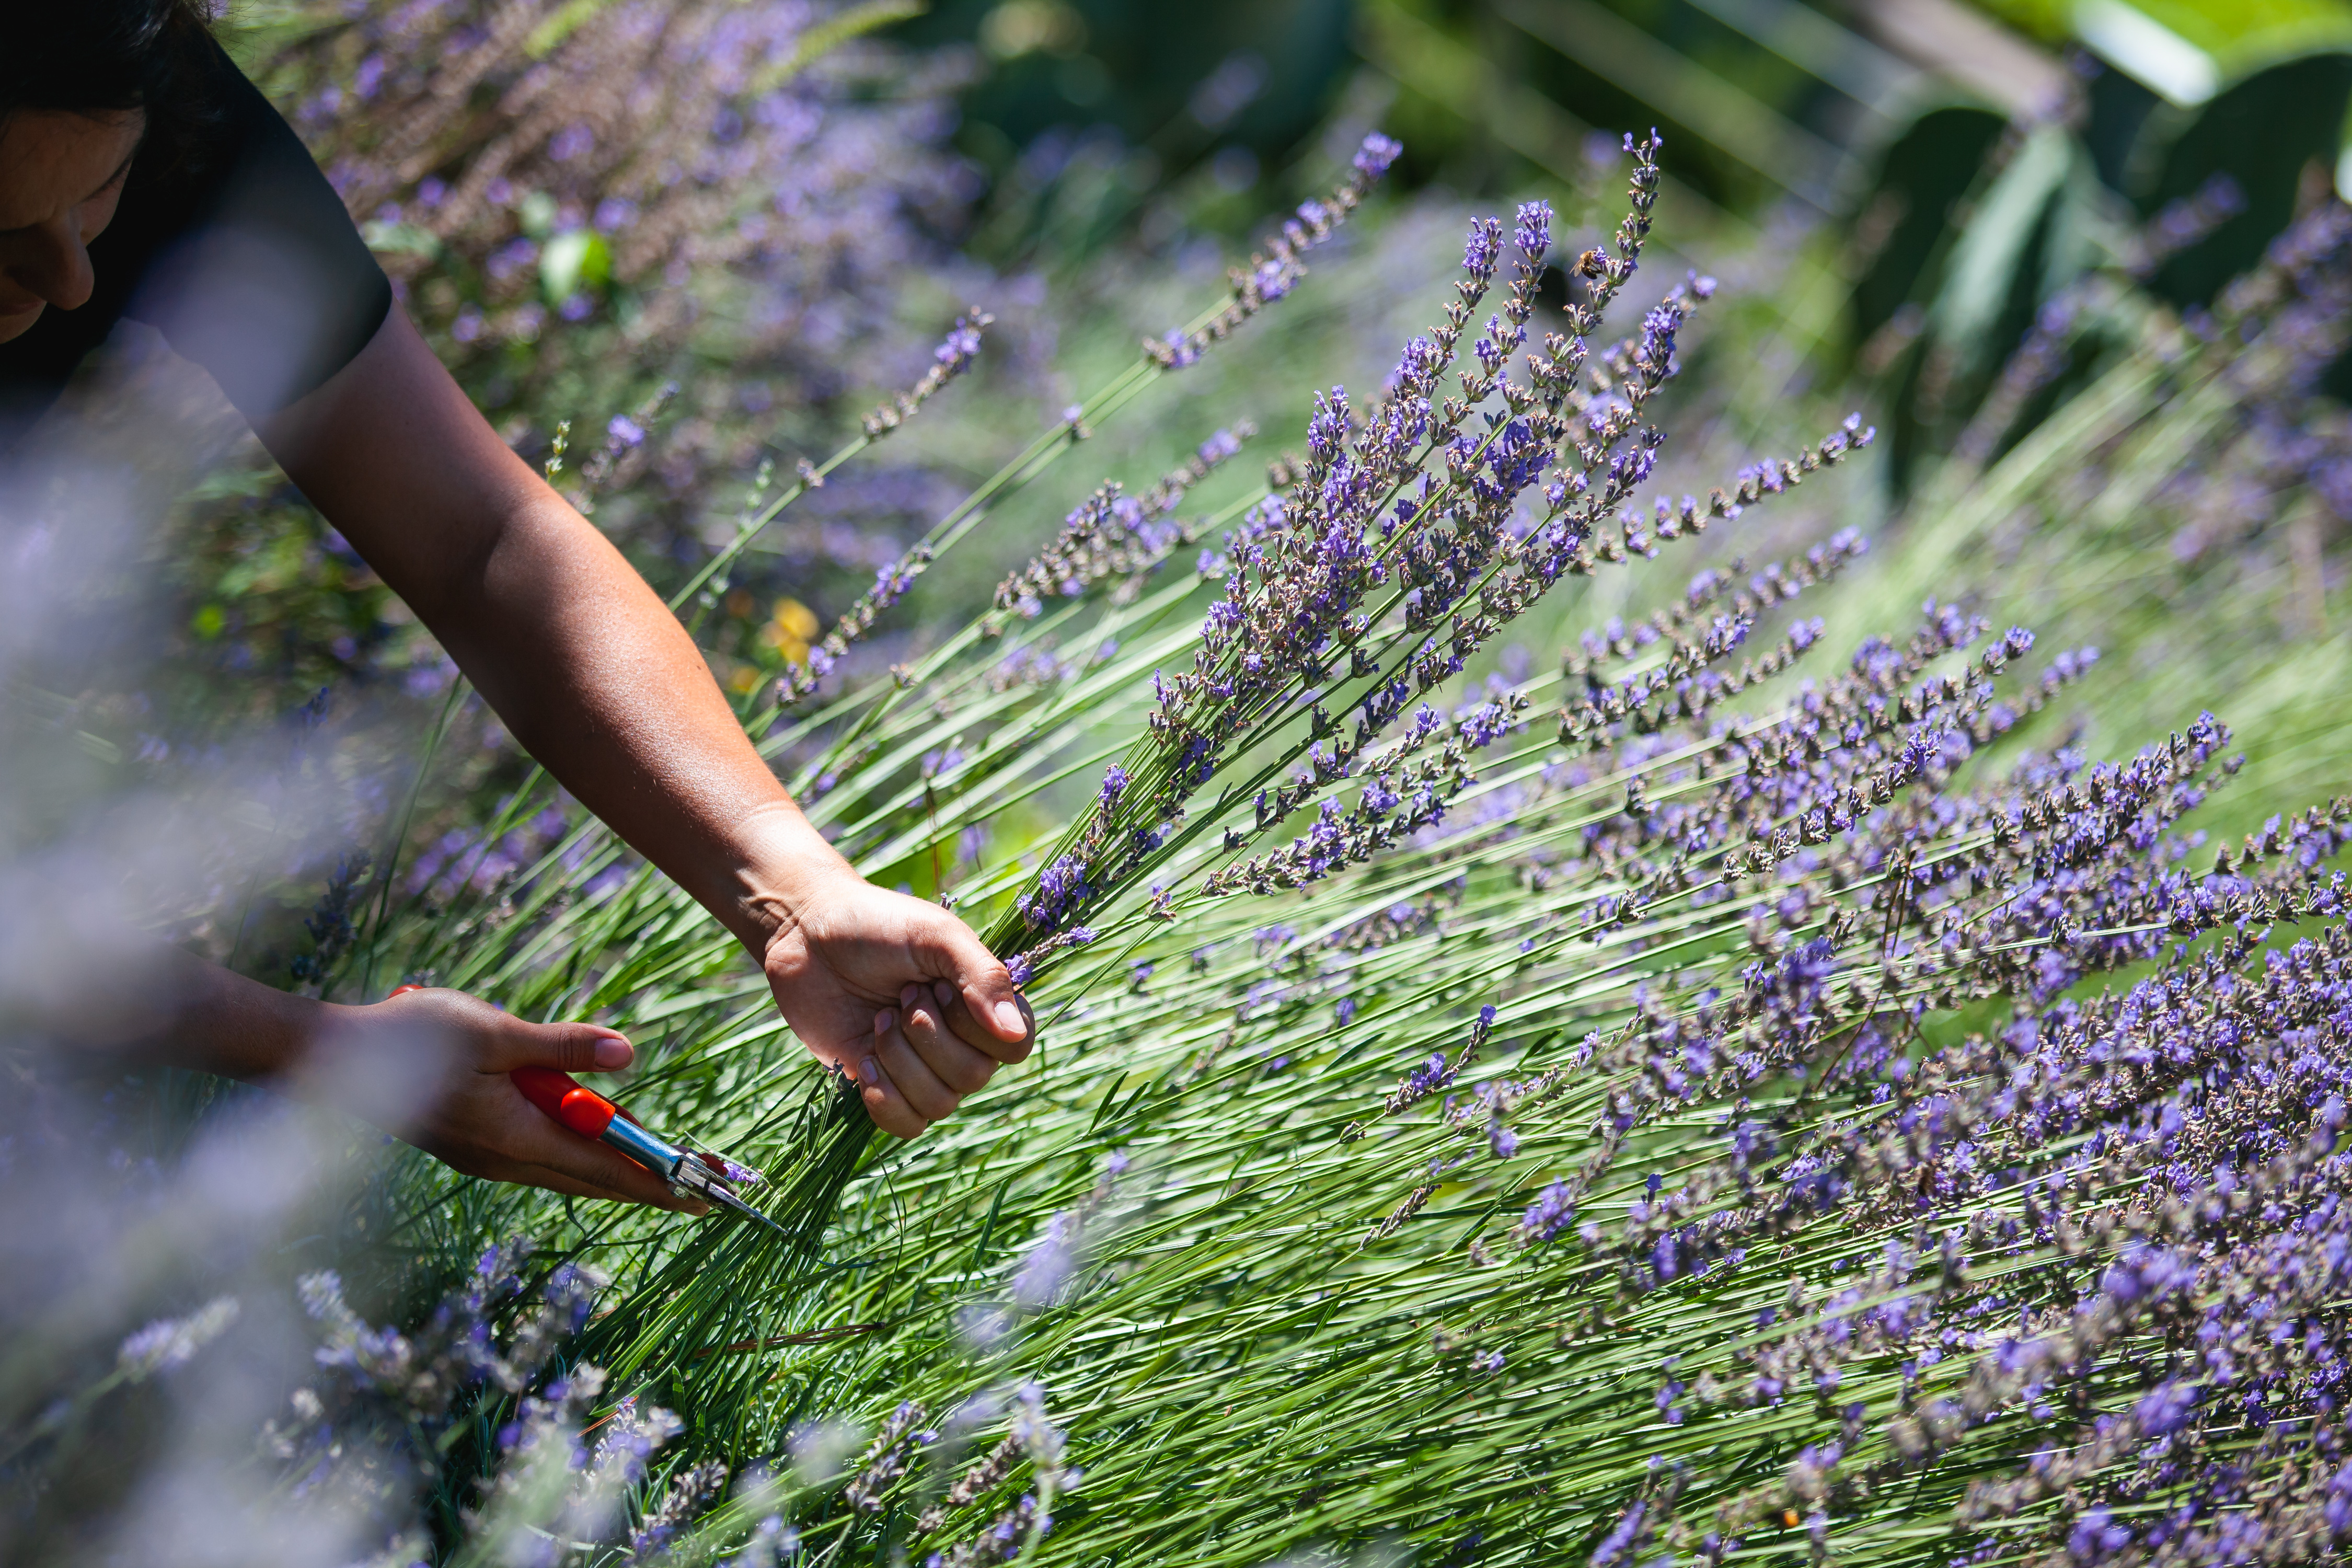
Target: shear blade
(740, 1207)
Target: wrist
(783, 870)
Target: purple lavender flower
(1482, 250)
(170, 1342)
(1374, 156)
(1047, 1265)
(1062, 888)
(1532, 233)
(2165, 1409)
(959, 347)
(1624, 1540)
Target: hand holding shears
(476, 1126)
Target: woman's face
(60, 177)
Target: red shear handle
(559, 1094)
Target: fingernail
(1008, 1018)
(906, 997)
(612, 1053)
(873, 1071)
(943, 992)
(886, 1020)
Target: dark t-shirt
(229, 241)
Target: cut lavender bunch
(1404, 545)
(1250, 296)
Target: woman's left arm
(601, 684)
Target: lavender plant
(1699, 1097)
(650, 233)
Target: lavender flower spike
(1533, 233)
(951, 359)
(173, 1341)
(962, 345)
(1373, 158)
(1480, 252)
(1275, 270)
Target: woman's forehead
(52, 160)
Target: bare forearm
(601, 684)
(596, 677)
(180, 1011)
(585, 664)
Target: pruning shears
(690, 1171)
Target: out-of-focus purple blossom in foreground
(173, 1341)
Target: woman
(141, 176)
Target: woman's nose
(51, 261)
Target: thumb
(987, 986)
(567, 1047)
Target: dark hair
(97, 56)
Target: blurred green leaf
(575, 259)
(567, 18)
(1904, 219)
(1992, 263)
(399, 239)
(830, 35)
(1721, 112)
